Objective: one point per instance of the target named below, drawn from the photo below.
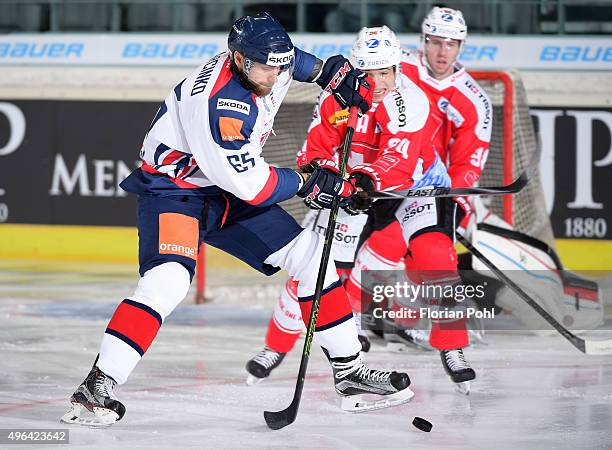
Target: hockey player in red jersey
(461, 117)
(203, 179)
(397, 105)
(460, 127)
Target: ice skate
(365, 389)
(93, 403)
(458, 369)
(262, 364)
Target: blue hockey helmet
(261, 38)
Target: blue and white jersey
(210, 130)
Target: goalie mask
(267, 51)
(376, 48)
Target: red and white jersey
(461, 115)
(389, 143)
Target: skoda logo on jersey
(234, 105)
(372, 43)
(447, 17)
(280, 59)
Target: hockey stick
(603, 347)
(280, 419)
(511, 188)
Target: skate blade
(359, 403)
(99, 418)
(463, 387)
(252, 380)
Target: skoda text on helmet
(262, 39)
(445, 23)
(375, 48)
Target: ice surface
(189, 391)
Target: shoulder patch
(231, 129)
(233, 105)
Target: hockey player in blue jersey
(203, 179)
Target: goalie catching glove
(347, 84)
(322, 186)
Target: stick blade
(598, 347)
(280, 419)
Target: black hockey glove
(359, 202)
(321, 188)
(348, 84)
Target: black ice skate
(93, 403)
(458, 369)
(365, 389)
(262, 364)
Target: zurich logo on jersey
(360, 62)
(447, 17)
(372, 43)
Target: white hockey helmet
(446, 23)
(375, 48)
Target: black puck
(422, 424)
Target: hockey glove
(359, 202)
(322, 186)
(348, 84)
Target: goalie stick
(280, 419)
(603, 347)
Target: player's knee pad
(302, 259)
(163, 287)
(432, 251)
